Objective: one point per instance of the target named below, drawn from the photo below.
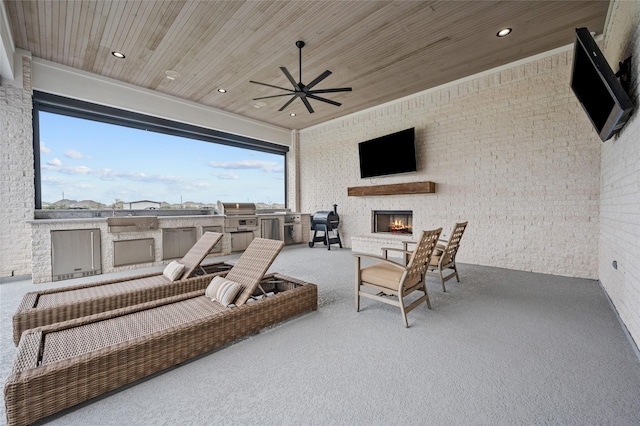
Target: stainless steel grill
(241, 221)
(239, 217)
(237, 209)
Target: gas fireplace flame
(399, 226)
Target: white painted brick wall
(16, 176)
(511, 152)
(620, 181)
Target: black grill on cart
(327, 223)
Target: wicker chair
(391, 282)
(444, 256)
(44, 307)
(60, 365)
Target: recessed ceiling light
(259, 104)
(222, 90)
(118, 55)
(293, 114)
(504, 32)
(172, 75)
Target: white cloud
(55, 165)
(202, 185)
(168, 178)
(44, 149)
(265, 166)
(109, 174)
(71, 153)
(80, 170)
(53, 180)
(226, 176)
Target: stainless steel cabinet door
(240, 240)
(131, 252)
(176, 242)
(75, 253)
(270, 228)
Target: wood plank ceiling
(385, 50)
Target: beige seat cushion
(434, 260)
(385, 275)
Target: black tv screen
(387, 155)
(597, 88)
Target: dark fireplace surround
(392, 222)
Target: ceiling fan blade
(339, 89)
(307, 104)
(318, 79)
(270, 85)
(272, 96)
(318, 98)
(288, 103)
(290, 77)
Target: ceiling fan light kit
(303, 91)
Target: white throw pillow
(227, 293)
(173, 270)
(214, 285)
(223, 290)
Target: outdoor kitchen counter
(294, 229)
(41, 237)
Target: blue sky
(88, 160)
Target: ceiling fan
(303, 91)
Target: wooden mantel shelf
(426, 187)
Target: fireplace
(392, 221)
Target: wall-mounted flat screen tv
(388, 155)
(594, 83)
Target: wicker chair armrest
(396, 249)
(407, 253)
(442, 240)
(407, 243)
(381, 259)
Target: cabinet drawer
(131, 252)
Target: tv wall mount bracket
(624, 74)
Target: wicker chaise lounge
(45, 307)
(61, 365)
